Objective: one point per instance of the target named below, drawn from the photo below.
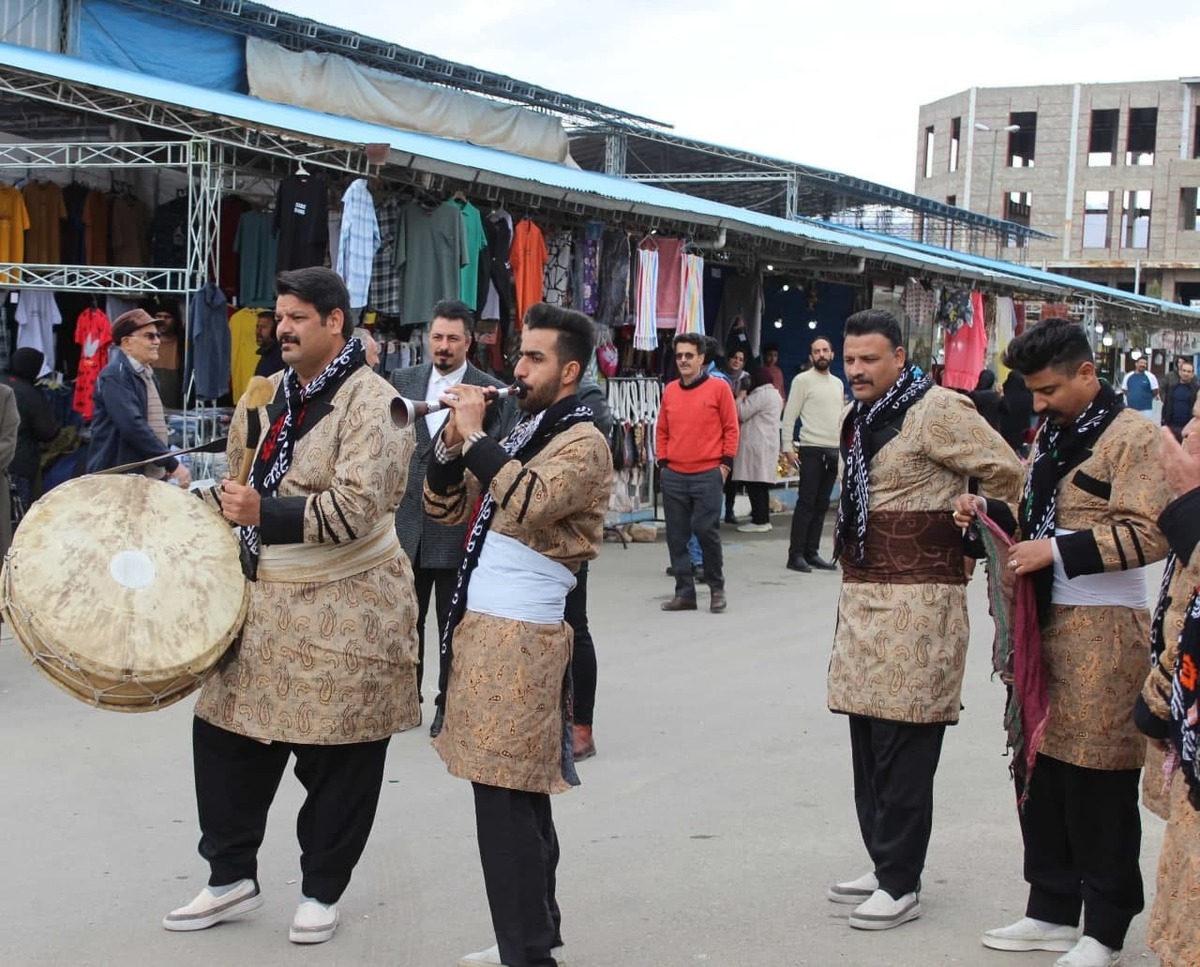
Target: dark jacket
(1014, 424)
(427, 543)
(592, 396)
(1169, 415)
(38, 422)
(120, 433)
(988, 402)
(270, 362)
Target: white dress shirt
(439, 384)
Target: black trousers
(760, 501)
(426, 580)
(818, 474)
(236, 780)
(692, 505)
(518, 848)
(894, 766)
(1083, 840)
(731, 492)
(583, 658)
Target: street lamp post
(1009, 128)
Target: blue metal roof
(513, 172)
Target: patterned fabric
(956, 309)
(1174, 931)
(691, 316)
(1185, 700)
(588, 252)
(1059, 450)
(615, 251)
(900, 649)
(331, 662)
(358, 241)
(275, 455)
(645, 335)
(862, 420)
(93, 333)
(386, 294)
(556, 281)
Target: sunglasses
(152, 336)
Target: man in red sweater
(697, 440)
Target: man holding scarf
(535, 506)
(900, 647)
(1086, 532)
(1168, 710)
(325, 668)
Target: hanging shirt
(476, 242)
(37, 315)
(358, 241)
(14, 220)
(966, 348)
(385, 280)
(528, 260)
(208, 330)
(431, 249)
(243, 348)
(301, 222)
(93, 333)
(256, 248)
(439, 384)
(129, 228)
(43, 241)
(95, 220)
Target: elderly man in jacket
(129, 422)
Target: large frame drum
(123, 591)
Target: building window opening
(1018, 206)
(955, 135)
(1196, 133)
(929, 152)
(1189, 209)
(1135, 220)
(1021, 142)
(1095, 219)
(1143, 131)
(1102, 142)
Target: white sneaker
(882, 912)
(753, 528)
(314, 922)
(208, 909)
(491, 958)
(854, 891)
(1030, 934)
(1089, 952)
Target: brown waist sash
(909, 547)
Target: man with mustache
(902, 632)
(436, 549)
(1088, 529)
(816, 399)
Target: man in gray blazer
(436, 550)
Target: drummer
(129, 422)
(325, 669)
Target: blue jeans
(694, 551)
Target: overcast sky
(834, 83)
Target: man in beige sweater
(817, 399)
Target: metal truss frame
(92, 278)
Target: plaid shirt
(386, 294)
(359, 241)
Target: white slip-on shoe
(314, 922)
(854, 891)
(208, 909)
(491, 958)
(754, 528)
(1089, 952)
(882, 912)
(1030, 934)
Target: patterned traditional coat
(900, 648)
(327, 662)
(504, 724)
(1095, 656)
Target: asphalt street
(705, 832)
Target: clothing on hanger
(358, 242)
(528, 260)
(301, 222)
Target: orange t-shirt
(528, 259)
(43, 243)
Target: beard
(540, 398)
(822, 365)
(445, 364)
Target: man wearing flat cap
(129, 422)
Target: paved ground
(706, 831)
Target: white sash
(514, 581)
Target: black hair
(266, 312)
(872, 322)
(987, 381)
(1057, 343)
(321, 288)
(816, 339)
(693, 339)
(770, 348)
(760, 377)
(576, 332)
(453, 309)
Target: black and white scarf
(1059, 450)
(274, 457)
(527, 439)
(1185, 687)
(863, 420)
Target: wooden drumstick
(259, 392)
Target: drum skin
(123, 591)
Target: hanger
(459, 196)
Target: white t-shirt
(37, 315)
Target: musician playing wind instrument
(325, 666)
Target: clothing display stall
(635, 404)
